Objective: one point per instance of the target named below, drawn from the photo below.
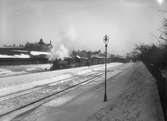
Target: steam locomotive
(77, 61)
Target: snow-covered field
(13, 84)
(49, 76)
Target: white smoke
(59, 53)
(65, 43)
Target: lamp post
(106, 40)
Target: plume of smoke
(59, 53)
(64, 44)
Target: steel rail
(53, 94)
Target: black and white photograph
(83, 60)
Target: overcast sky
(81, 24)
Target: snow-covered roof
(15, 56)
(36, 53)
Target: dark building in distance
(30, 53)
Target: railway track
(48, 92)
(30, 90)
(18, 103)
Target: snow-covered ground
(13, 70)
(59, 80)
(23, 82)
(132, 96)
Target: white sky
(81, 24)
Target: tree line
(155, 59)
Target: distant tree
(151, 54)
(163, 35)
(155, 58)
